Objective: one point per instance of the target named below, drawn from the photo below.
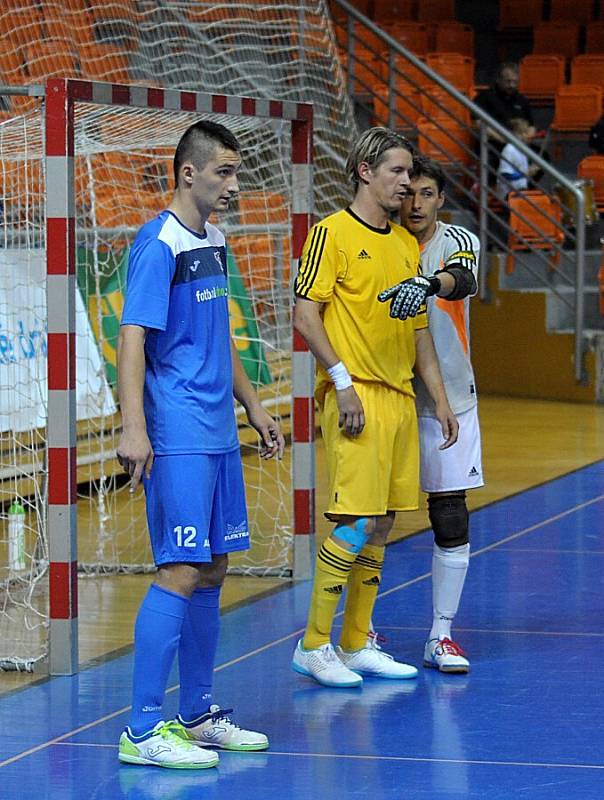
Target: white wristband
(340, 376)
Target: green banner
(102, 287)
(244, 328)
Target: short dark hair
(511, 65)
(427, 168)
(198, 142)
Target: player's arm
(134, 451)
(272, 440)
(458, 276)
(309, 324)
(426, 365)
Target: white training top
(512, 175)
(449, 320)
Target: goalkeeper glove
(409, 296)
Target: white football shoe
(165, 746)
(372, 661)
(445, 656)
(324, 666)
(216, 729)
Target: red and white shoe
(445, 656)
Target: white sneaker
(324, 666)
(373, 662)
(215, 729)
(445, 656)
(165, 746)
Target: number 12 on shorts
(185, 536)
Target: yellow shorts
(377, 471)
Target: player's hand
(352, 414)
(409, 296)
(135, 455)
(272, 441)
(449, 424)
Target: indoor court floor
(526, 722)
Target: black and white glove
(409, 296)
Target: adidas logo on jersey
(363, 254)
(334, 589)
(473, 473)
(375, 581)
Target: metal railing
(393, 86)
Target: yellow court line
(245, 656)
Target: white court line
(362, 757)
(245, 656)
(491, 630)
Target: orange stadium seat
(262, 208)
(74, 25)
(392, 9)
(541, 76)
(535, 221)
(431, 10)
(54, 58)
(406, 112)
(454, 68)
(519, 14)
(406, 77)
(561, 38)
(594, 37)
(577, 107)
(12, 68)
(447, 143)
(588, 68)
(103, 62)
(367, 70)
(592, 168)
(21, 27)
(454, 37)
(409, 34)
(579, 11)
(437, 104)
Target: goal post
(62, 98)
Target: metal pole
(483, 290)
(580, 288)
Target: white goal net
(123, 177)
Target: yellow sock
(363, 585)
(331, 575)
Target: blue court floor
(527, 722)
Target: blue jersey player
(177, 373)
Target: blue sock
(197, 652)
(156, 637)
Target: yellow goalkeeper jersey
(345, 264)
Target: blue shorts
(196, 507)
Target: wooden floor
(525, 443)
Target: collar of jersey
(383, 231)
(203, 235)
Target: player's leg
(397, 439)
(352, 489)
(148, 739)
(204, 722)
(445, 475)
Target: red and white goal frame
(61, 95)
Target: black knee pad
(449, 519)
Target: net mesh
(123, 177)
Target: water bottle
(16, 536)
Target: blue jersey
(177, 290)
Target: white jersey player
(449, 256)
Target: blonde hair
(371, 148)
(518, 125)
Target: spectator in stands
(503, 101)
(514, 171)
